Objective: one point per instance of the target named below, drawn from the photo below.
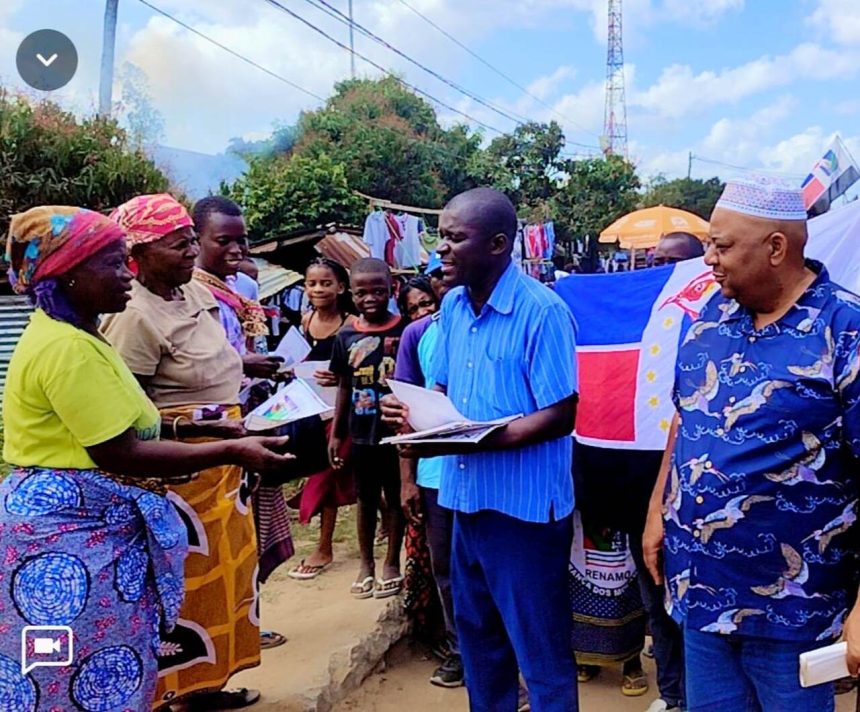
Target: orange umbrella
(644, 228)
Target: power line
(332, 11)
(233, 52)
(498, 71)
(382, 69)
(745, 169)
(429, 144)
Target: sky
(743, 85)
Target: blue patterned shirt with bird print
(762, 489)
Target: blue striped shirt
(516, 356)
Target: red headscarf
(148, 218)
(50, 240)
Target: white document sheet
(306, 369)
(823, 665)
(294, 401)
(293, 348)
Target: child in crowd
(362, 360)
(327, 289)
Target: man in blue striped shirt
(506, 346)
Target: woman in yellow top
(89, 541)
(171, 338)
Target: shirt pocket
(503, 381)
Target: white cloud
(700, 12)
(652, 161)
(738, 140)
(839, 19)
(679, 91)
(797, 154)
(546, 86)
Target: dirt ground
(319, 617)
(404, 685)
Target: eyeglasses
(423, 304)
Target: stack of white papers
(823, 665)
(435, 419)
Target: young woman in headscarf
(223, 238)
(90, 542)
(172, 339)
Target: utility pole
(108, 43)
(689, 165)
(351, 42)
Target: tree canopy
(694, 195)
(378, 138)
(47, 156)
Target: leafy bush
(48, 156)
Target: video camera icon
(46, 646)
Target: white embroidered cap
(763, 197)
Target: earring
(71, 283)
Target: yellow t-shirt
(65, 391)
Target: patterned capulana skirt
(83, 553)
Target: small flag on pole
(834, 173)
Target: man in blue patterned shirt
(506, 347)
(759, 493)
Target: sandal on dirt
(586, 673)
(388, 587)
(305, 572)
(635, 685)
(362, 589)
(270, 639)
(225, 700)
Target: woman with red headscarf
(171, 338)
(91, 545)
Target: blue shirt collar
(502, 297)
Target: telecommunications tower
(614, 139)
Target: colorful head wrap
(763, 197)
(50, 240)
(148, 218)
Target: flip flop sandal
(225, 700)
(305, 572)
(270, 639)
(362, 589)
(634, 685)
(385, 588)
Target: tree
(47, 156)
(595, 192)
(284, 193)
(525, 164)
(695, 195)
(389, 142)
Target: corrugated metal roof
(343, 247)
(14, 316)
(273, 278)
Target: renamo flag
(631, 323)
(831, 176)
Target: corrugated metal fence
(14, 315)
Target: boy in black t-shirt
(363, 360)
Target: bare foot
(363, 586)
(390, 572)
(318, 559)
